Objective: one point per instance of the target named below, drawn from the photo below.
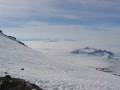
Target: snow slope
(51, 73)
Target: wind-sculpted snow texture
(95, 52)
(51, 73)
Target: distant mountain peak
(95, 52)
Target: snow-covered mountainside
(51, 73)
(12, 38)
(95, 52)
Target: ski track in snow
(52, 73)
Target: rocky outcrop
(11, 37)
(21, 43)
(9, 83)
(0, 31)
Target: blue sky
(28, 19)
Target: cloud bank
(40, 30)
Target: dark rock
(22, 43)
(104, 69)
(6, 72)
(22, 69)
(11, 37)
(9, 83)
(116, 74)
(0, 31)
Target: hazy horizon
(59, 19)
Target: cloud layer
(40, 30)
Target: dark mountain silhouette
(95, 52)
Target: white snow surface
(51, 73)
